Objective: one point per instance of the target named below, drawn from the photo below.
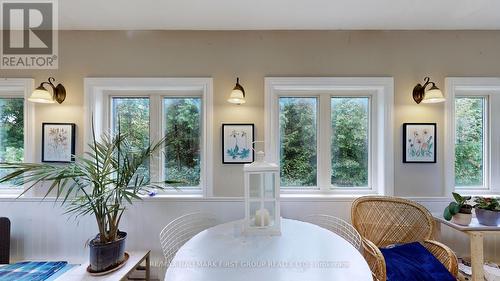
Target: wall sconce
(41, 95)
(238, 94)
(433, 95)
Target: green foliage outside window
(469, 128)
(349, 144)
(298, 138)
(182, 128)
(133, 117)
(11, 131)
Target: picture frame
(58, 142)
(238, 143)
(419, 142)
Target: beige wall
(408, 56)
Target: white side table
(80, 273)
(476, 233)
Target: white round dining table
(303, 252)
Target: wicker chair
(180, 230)
(383, 220)
(337, 226)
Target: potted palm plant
(460, 212)
(100, 183)
(487, 210)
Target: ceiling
(278, 14)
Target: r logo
(28, 28)
(29, 34)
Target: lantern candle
(262, 204)
(262, 217)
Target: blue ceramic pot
(104, 257)
(487, 217)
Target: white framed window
(16, 125)
(149, 109)
(331, 135)
(472, 135)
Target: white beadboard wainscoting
(41, 231)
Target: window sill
(171, 195)
(9, 195)
(285, 198)
(327, 192)
(477, 192)
(10, 192)
(145, 200)
(291, 197)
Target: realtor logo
(29, 35)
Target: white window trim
(21, 87)
(96, 102)
(482, 86)
(381, 89)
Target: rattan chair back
(388, 220)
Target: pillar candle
(262, 217)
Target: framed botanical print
(237, 143)
(58, 142)
(419, 143)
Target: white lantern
(262, 204)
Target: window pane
(11, 131)
(298, 141)
(133, 117)
(349, 143)
(469, 141)
(183, 132)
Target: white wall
(408, 56)
(40, 231)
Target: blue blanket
(30, 271)
(413, 262)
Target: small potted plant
(459, 212)
(487, 210)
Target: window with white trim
(178, 109)
(331, 135)
(472, 135)
(16, 125)
(471, 141)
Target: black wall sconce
(433, 95)
(42, 95)
(237, 96)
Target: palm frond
(102, 182)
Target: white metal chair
(181, 229)
(337, 226)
